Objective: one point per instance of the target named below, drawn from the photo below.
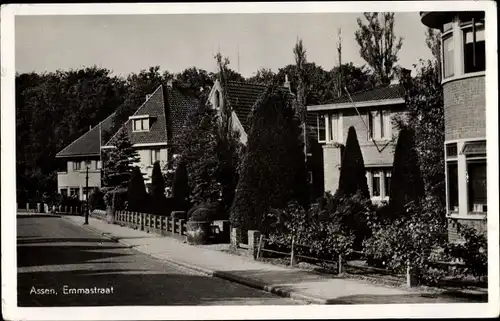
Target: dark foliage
(96, 200)
(273, 169)
(138, 199)
(180, 187)
(407, 185)
(352, 171)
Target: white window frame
(380, 126)
(448, 35)
(381, 174)
(154, 156)
(479, 159)
(334, 127)
(464, 30)
(77, 166)
(140, 124)
(319, 115)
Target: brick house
(371, 112)
(82, 153)
(156, 125)
(463, 79)
(242, 96)
(152, 130)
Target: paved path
(295, 283)
(54, 252)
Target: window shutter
(376, 124)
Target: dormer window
(140, 123)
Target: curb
(223, 275)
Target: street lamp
(87, 192)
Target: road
(62, 264)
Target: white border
(9, 281)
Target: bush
(352, 170)
(413, 237)
(96, 200)
(116, 198)
(138, 198)
(204, 212)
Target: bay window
(448, 56)
(474, 49)
(476, 184)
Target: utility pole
(87, 193)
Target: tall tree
(273, 169)
(157, 183)
(407, 184)
(180, 187)
(136, 192)
(352, 170)
(378, 44)
(263, 76)
(301, 61)
(433, 41)
(119, 161)
(425, 116)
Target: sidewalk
(288, 282)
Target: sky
(130, 43)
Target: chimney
(148, 96)
(287, 83)
(90, 127)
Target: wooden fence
(151, 223)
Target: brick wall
(464, 108)
(453, 235)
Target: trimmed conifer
(180, 186)
(273, 170)
(352, 170)
(136, 193)
(119, 161)
(406, 180)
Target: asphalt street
(62, 264)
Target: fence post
(173, 224)
(27, 207)
(235, 238)
(292, 253)
(261, 244)
(253, 242)
(341, 267)
(411, 279)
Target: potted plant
(198, 225)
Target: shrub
(273, 172)
(473, 252)
(406, 184)
(352, 171)
(180, 187)
(116, 198)
(409, 238)
(137, 196)
(157, 192)
(204, 212)
(96, 199)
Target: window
(141, 124)
(74, 192)
(452, 185)
(476, 183)
(379, 182)
(379, 124)
(321, 128)
(98, 164)
(448, 59)
(474, 49)
(387, 187)
(334, 128)
(154, 156)
(376, 184)
(64, 191)
(451, 150)
(77, 166)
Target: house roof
(243, 95)
(88, 144)
(378, 93)
(167, 109)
